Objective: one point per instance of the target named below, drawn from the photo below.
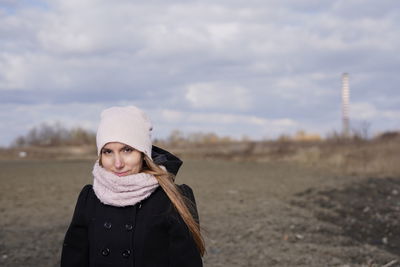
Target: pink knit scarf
(122, 191)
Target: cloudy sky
(256, 67)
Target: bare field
(253, 214)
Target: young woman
(134, 214)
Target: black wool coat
(148, 234)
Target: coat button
(126, 253)
(105, 252)
(128, 227)
(107, 225)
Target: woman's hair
(181, 203)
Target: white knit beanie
(128, 125)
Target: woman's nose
(118, 162)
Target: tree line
(56, 134)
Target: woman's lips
(121, 173)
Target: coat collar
(162, 157)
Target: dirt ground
(252, 214)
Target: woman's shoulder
(185, 188)
(86, 190)
(85, 195)
(187, 191)
(160, 194)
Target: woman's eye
(106, 151)
(128, 149)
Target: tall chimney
(345, 104)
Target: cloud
(24, 117)
(221, 123)
(268, 59)
(368, 111)
(218, 96)
(172, 115)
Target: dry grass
(378, 157)
(49, 152)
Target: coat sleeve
(75, 251)
(183, 251)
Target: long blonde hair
(182, 204)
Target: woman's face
(121, 159)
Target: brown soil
(253, 214)
(367, 211)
